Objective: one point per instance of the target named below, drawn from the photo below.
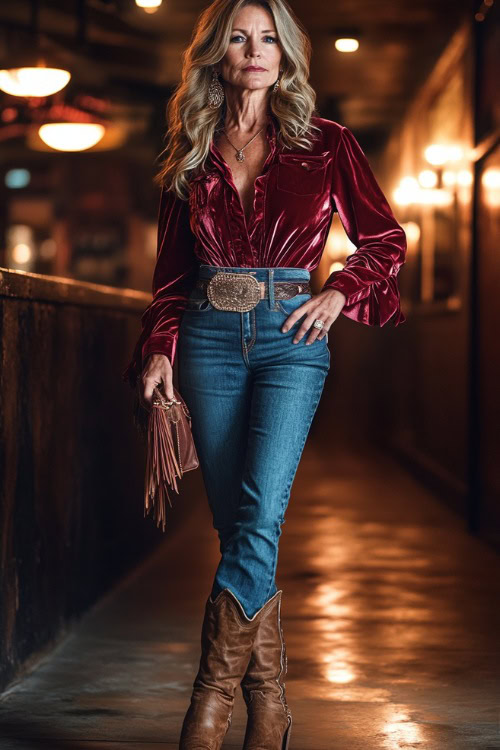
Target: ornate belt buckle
(239, 292)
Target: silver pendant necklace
(240, 156)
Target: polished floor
(390, 613)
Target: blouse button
(305, 165)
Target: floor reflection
(399, 731)
(382, 605)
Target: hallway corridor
(390, 615)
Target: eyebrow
(264, 31)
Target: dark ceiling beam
(63, 18)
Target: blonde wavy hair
(191, 123)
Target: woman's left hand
(326, 306)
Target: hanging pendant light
(71, 136)
(70, 124)
(71, 128)
(39, 81)
(34, 73)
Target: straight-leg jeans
(252, 394)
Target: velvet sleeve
(173, 278)
(369, 277)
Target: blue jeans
(252, 395)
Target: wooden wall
(71, 463)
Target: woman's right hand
(156, 370)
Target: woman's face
(253, 42)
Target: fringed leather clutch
(170, 451)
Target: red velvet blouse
(295, 199)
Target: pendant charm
(240, 156)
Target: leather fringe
(162, 465)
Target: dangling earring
(215, 91)
(277, 84)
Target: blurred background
(83, 90)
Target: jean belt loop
(271, 287)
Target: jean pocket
(287, 306)
(198, 304)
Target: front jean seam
(243, 342)
(300, 450)
(288, 487)
(253, 324)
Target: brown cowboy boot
(226, 645)
(269, 724)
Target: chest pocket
(301, 175)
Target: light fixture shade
(346, 44)
(148, 3)
(35, 81)
(71, 136)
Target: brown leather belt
(241, 291)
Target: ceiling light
(34, 81)
(346, 44)
(71, 136)
(150, 6)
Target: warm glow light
(338, 245)
(490, 181)
(410, 191)
(435, 197)
(412, 231)
(335, 266)
(409, 183)
(20, 246)
(407, 192)
(398, 730)
(464, 177)
(334, 245)
(449, 177)
(340, 675)
(21, 253)
(148, 3)
(428, 178)
(436, 154)
(346, 44)
(71, 136)
(338, 667)
(440, 153)
(455, 153)
(33, 81)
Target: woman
(249, 188)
